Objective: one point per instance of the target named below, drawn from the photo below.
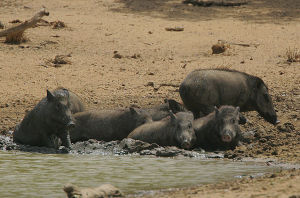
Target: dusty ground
(148, 54)
(280, 185)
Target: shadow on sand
(256, 11)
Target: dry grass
(58, 24)
(1, 25)
(293, 55)
(58, 61)
(16, 38)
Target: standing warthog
(107, 125)
(163, 110)
(219, 129)
(48, 123)
(76, 105)
(176, 130)
(205, 88)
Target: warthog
(203, 89)
(175, 130)
(163, 110)
(107, 125)
(48, 123)
(219, 129)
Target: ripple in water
(43, 175)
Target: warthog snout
(71, 124)
(226, 137)
(186, 145)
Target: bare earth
(150, 63)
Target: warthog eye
(266, 97)
(232, 120)
(58, 107)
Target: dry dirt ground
(119, 53)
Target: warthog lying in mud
(163, 110)
(105, 190)
(176, 130)
(203, 89)
(107, 125)
(219, 129)
(48, 123)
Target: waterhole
(43, 175)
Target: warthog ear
(259, 82)
(133, 111)
(172, 115)
(174, 106)
(66, 92)
(216, 111)
(50, 96)
(237, 110)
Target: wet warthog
(76, 104)
(107, 125)
(48, 123)
(161, 111)
(219, 129)
(175, 130)
(105, 190)
(205, 88)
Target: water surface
(43, 175)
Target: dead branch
(165, 85)
(25, 25)
(213, 3)
(240, 44)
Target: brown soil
(97, 30)
(280, 185)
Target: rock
(286, 127)
(117, 55)
(248, 136)
(58, 24)
(218, 48)
(167, 152)
(136, 146)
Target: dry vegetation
(293, 55)
(16, 38)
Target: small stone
(151, 84)
(218, 48)
(116, 55)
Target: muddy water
(43, 175)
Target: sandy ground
(149, 55)
(279, 185)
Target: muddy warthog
(105, 190)
(205, 88)
(76, 104)
(163, 110)
(107, 125)
(219, 129)
(48, 123)
(175, 130)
